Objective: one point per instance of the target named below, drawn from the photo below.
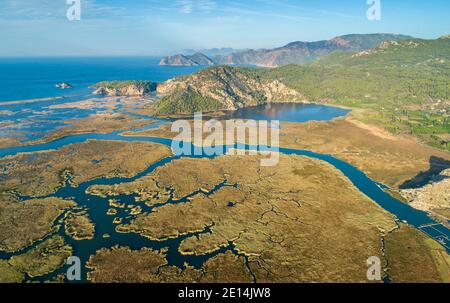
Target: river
(97, 206)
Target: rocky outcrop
(124, 88)
(197, 59)
(435, 195)
(64, 85)
(230, 87)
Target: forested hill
(404, 86)
(411, 71)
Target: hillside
(224, 87)
(197, 59)
(403, 86)
(406, 85)
(124, 88)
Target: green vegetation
(186, 102)
(367, 41)
(84, 161)
(123, 265)
(23, 223)
(404, 84)
(79, 226)
(414, 257)
(272, 220)
(44, 258)
(222, 87)
(140, 84)
(403, 87)
(8, 274)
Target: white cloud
(190, 6)
(186, 6)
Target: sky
(160, 27)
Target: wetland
(133, 212)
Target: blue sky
(157, 27)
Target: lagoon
(97, 206)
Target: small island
(64, 85)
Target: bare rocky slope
(435, 195)
(221, 88)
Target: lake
(289, 112)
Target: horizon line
(199, 49)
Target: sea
(23, 79)
(35, 78)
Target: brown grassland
(83, 162)
(23, 223)
(79, 226)
(391, 160)
(301, 220)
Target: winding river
(97, 206)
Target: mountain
(212, 52)
(406, 81)
(197, 59)
(293, 53)
(403, 84)
(305, 52)
(220, 88)
(201, 59)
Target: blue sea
(35, 78)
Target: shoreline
(18, 102)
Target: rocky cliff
(222, 87)
(124, 88)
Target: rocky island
(64, 85)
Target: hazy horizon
(156, 28)
(182, 51)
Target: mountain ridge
(297, 52)
(403, 84)
(197, 59)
